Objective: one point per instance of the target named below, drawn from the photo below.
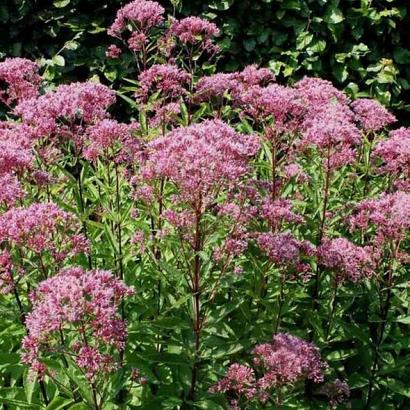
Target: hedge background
(362, 45)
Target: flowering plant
(150, 250)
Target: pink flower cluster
(284, 249)
(240, 85)
(111, 140)
(317, 93)
(371, 115)
(169, 80)
(195, 31)
(42, 227)
(278, 212)
(21, 78)
(283, 104)
(65, 111)
(395, 152)
(285, 361)
(349, 261)
(332, 132)
(389, 216)
(332, 125)
(11, 190)
(201, 160)
(142, 14)
(85, 302)
(7, 282)
(16, 155)
(215, 86)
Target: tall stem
(332, 311)
(119, 227)
(82, 205)
(281, 300)
(274, 167)
(384, 313)
(196, 293)
(322, 225)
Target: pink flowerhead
(169, 80)
(141, 14)
(21, 78)
(196, 31)
(278, 212)
(395, 152)
(284, 249)
(389, 216)
(316, 93)
(82, 306)
(330, 127)
(109, 139)
(7, 282)
(371, 115)
(11, 190)
(201, 160)
(281, 103)
(251, 75)
(65, 111)
(215, 86)
(113, 51)
(39, 228)
(239, 379)
(137, 41)
(349, 261)
(286, 360)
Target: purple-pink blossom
(195, 31)
(283, 248)
(168, 80)
(286, 360)
(21, 78)
(65, 111)
(82, 307)
(113, 51)
(239, 379)
(141, 14)
(215, 86)
(11, 190)
(7, 282)
(42, 227)
(317, 93)
(278, 212)
(349, 261)
(200, 159)
(395, 152)
(388, 215)
(371, 115)
(108, 138)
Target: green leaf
(401, 55)
(405, 320)
(249, 44)
(61, 3)
(220, 4)
(333, 14)
(58, 403)
(303, 40)
(29, 386)
(58, 60)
